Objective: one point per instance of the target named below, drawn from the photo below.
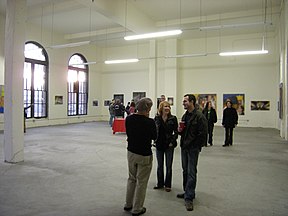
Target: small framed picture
(58, 100)
(95, 103)
(107, 102)
(171, 101)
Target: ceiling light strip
(232, 26)
(187, 55)
(153, 35)
(60, 46)
(252, 52)
(120, 61)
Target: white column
(14, 64)
(152, 75)
(285, 98)
(171, 77)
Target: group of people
(164, 129)
(118, 110)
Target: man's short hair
(191, 97)
(144, 104)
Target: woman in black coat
(167, 129)
(229, 122)
(211, 116)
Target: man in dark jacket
(193, 137)
(229, 122)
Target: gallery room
(63, 62)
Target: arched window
(77, 85)
(35, 81)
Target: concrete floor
(81, 170)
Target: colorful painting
(202, 99)
(260, 105)
(238, 101)
(1, 98)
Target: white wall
(255, 76)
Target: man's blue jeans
(111, 119)
(168, 153)
(189, 165)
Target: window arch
(77, 85)
(35, 81)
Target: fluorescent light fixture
(85, 63)
(230, 26)
(153, 35)
(60, 46)
(120, 61)
(187, 55)
(252, 52)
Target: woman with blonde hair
(167, 134)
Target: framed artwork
(95, 103)
(58, 100)
(238, 101)
(202, 99)
(1, 98)
(171, 101)
(120, 97)
(260, 105)
(138, 95)
(107, 102)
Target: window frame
(76, 90)
(30, 112)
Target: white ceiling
(110, 20)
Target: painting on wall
(107, 102)
(238, 101)
(58, 100)
(260, 105)
(171, 101)
(1, 98)
(95, 103)
(138, 95)
(202, 99)
(120, 97)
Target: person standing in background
(229, 122)
(162, 98)
(140, 130)
(119, 109)
(167, 128)
(132, 108)
(211, 116)
(127, 108)
(193, 130)
(111, 112)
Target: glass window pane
(33, 51)
(35, 80)
(39, 77)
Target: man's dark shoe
(189, 205)
(127, 208)
(181, 195)
(225, 145)
(140, 213)
(157, 187)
